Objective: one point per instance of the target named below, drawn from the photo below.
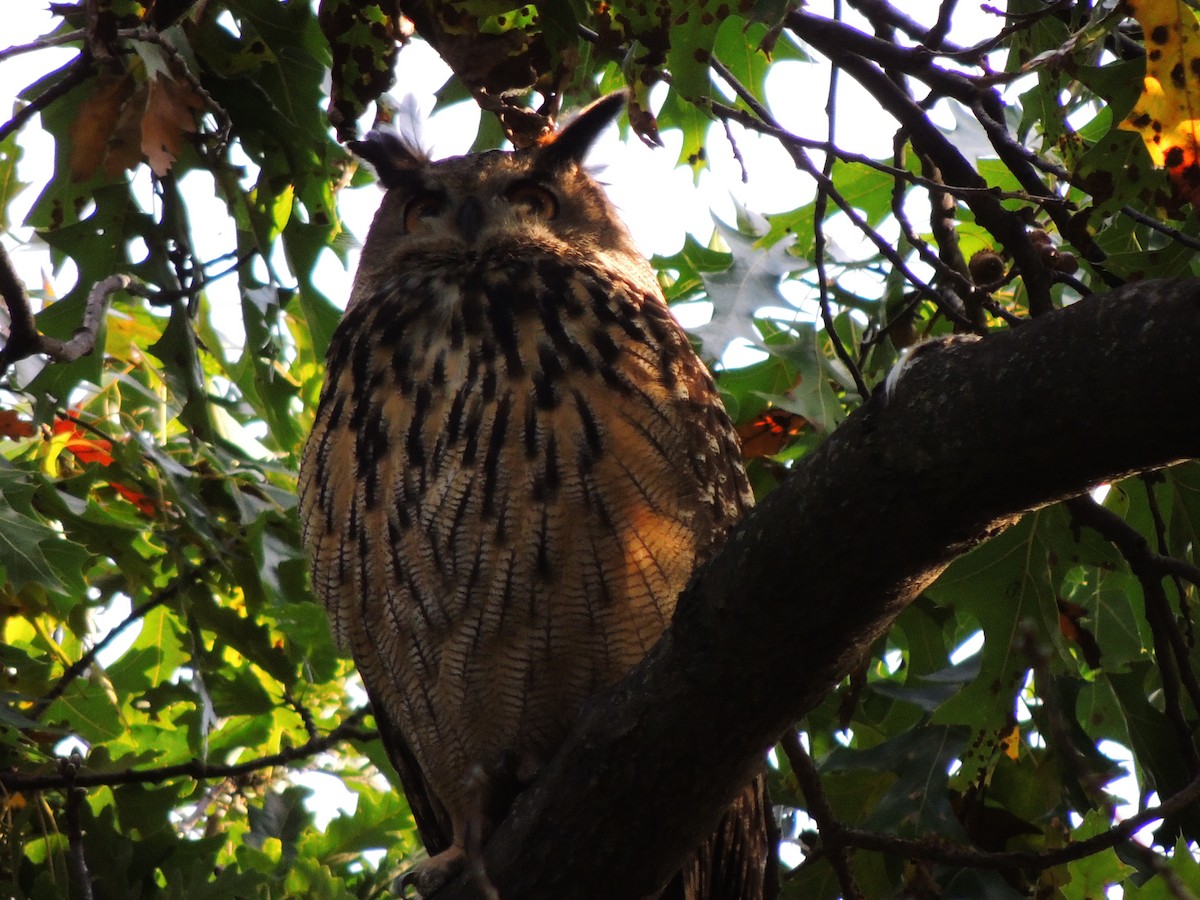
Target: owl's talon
(433, 874)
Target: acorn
(986, 267)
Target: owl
(517, 463)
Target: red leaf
(13, 426)
(86, 449)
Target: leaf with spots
(364, 39)
(1168, 113)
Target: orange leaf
(86, 449)
(13, 426)
(137, 498)
(769, 433)
(1070, 623)
(170, 111)
(1167, 115)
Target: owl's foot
(476, 828)
(433, 874)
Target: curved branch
(878, 511)
(25, 340)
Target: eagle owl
(516, 465)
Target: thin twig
(305, 714)
(153, 36)
(824, 183)
(883, 13)
(1180, 650)
(1131, 542)
(185, 578)
(79, 867)
(76, 72)
(194, 769)
(830, 827)
(956, 282)
(1168, 643)
(42, 43)
(969, 857)
(792, 140)
(22, 342)
(819, 208)
(860, 55)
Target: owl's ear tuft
(394, 159)
(571, 144)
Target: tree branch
(79, 868)
(879, 510)
(81, 665)
(937, 851)
(74, 74)
(194, 769)
(25, 340)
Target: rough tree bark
(975, 435)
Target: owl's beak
(469, 218)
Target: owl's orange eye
(535, 199)
(421, 208)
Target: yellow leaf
(1010, 742)
(126, 337)
(1167, 115)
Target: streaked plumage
(516, 465)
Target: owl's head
(467, 209)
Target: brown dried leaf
(124, 148)
(94, 129)
(170, 112)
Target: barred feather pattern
(516, 465)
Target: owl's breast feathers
(514, 471)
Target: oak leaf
(170, 113)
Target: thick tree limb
(975, 434)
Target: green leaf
(1094, 874)
(10, 186)
(282, 816)
(31, 551)
(693, 123)
(915, 766)
(1010, 587)
(156, 654)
